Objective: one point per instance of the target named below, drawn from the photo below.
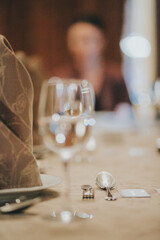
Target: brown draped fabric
(18, 166)
(35, 69)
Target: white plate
(47, 182)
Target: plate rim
(32, 189)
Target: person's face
(85, 40)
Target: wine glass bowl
(66, 109)
(65, 135)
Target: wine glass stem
(66, 185)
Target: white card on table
(134, 193)
(158, 190)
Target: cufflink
(88, 192)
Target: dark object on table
(158, 144)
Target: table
(125, 218)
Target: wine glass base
(83, 215)
(67, 217)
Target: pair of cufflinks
(88, 192)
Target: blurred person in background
(86, 40)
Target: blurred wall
(39, 26)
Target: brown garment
(113, 89)
(18, 166)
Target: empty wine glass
(65, 120)
(143, 105)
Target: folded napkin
(34, 66)
(18, 166)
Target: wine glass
(143, 104)
(65, 120)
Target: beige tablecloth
(125, 218)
